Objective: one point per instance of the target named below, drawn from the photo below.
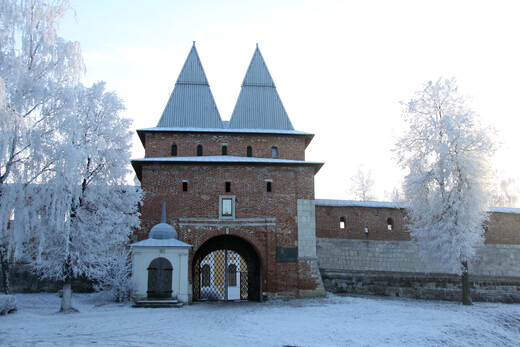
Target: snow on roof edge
(385, 204)
(225, 159)
(228, 130)
(160, 243)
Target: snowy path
(334, 321)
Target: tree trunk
(466, 295)
(4, 263)
(66, 298)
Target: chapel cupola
(163, 230)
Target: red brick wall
(503, 228)
(159, 144)
(163, 183)
(357, 219)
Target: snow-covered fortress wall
(364, 247)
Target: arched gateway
(225, 268)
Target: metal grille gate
(221, 275)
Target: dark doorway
(160, 279)
(226, 268)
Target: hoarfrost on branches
(362, 185)
(115, 275)
(37, 71)
(64, 153)
(506, 193)
(446, 153)
(90, 212)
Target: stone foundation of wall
(421, 286)
(24, 281)
(395, 268)
(402, 256)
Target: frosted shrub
(7, 304)
(115, 277)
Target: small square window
(228, 187)
(224, 150)
(390, 224)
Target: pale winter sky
(340, 67)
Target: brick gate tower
(239, 191)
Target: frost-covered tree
(446, 153)
(90, 212)
(37, 70)
(64, 152)
(396, 195)
(506, 193)
(362, 185)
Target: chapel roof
(162, 235)
(259, 106)
(191, 102)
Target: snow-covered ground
(332, 321)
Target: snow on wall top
(352, 203)
(259, 106)
(505, 210)
(191, 103)
(382, 204)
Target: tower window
(224, 150)
(228, 186)
(174, 150)
(249, 151)
(227, 206)
(342, 223)
(199, 151)
(184, 186)
(274, 152)
(389, 224)
(269, 186)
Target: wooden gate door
(160, 279)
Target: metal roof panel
(191, 103)
(259, 106)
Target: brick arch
(240, 246)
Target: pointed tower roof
(259, 105)
(191, 103)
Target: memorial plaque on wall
(286, 254)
